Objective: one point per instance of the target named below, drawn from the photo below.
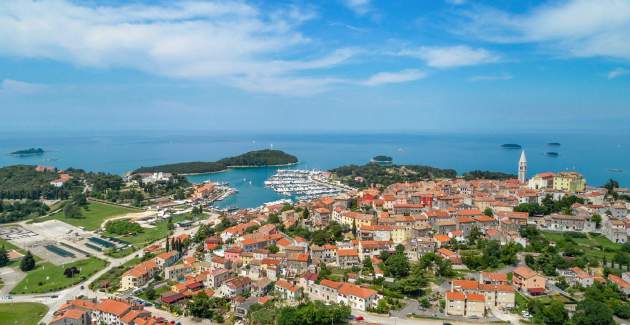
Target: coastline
(231, 167)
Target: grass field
(93, 215)
(23, 313)
(150, 235)
(47, 277)
(593, 245)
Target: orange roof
(465, 220)
(442, 238)
(114, 307)
(282, 283)
(331, 284)
(131, 315)
(73, 313)
(167, 255)
(466, 284)
(469, 212)
(348, 289)
(495, 276)
(485, 218)
(618, 281)
(475, 297)
(142, 269)
(347, 252)
(504, 288)
(446, 252)
(524, 271)
(453, 295)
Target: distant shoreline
(233, 167)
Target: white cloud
(618, 72)
(16, 87)
(491, 77)
(451, 56)
(456, 2)
(359, 7)
(580, 28)
(382, 78)
(228, 42)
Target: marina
(305, 184)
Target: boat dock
(304, 184)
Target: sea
(598, 156)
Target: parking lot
(48, 240)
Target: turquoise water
(591, 154)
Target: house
(493, 278)
(177, 272)
(526, 279)
(287, 290)
(565, 222)
(110, 311)
(357, 297)
(466, 305)
(139, 275)
(455, 303)
(237, 286)
(73, 316)
(623, 285)
(216, 278)
(348, 258)
(326, 290)
(166, 259)
(449, 255)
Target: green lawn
(47, 277)
(149, 235)
(93, 215)
(23, 313)
(593, 245)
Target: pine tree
(28, 262)
(168, 244)
(4, 257)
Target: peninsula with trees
(375, 173)
(258, 158)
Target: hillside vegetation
(257, 158)
(375, 173)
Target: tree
(488, 212)
(71, 210)
(273, 218)
(80, 199)
(592, 312)
(71, 272)
(150, 293)
(354, 227)
(554, 314)
(273, 249)
(199, 306)
(168, 244)
(597, 219)
(4, 257)
(28, 262)
(368, 268)
(397, 265)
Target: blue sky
(337, 65)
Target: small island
(258, 158)
(552, 154)
(511, 146)
(383, 160)
(553, 144)
(28, 152)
